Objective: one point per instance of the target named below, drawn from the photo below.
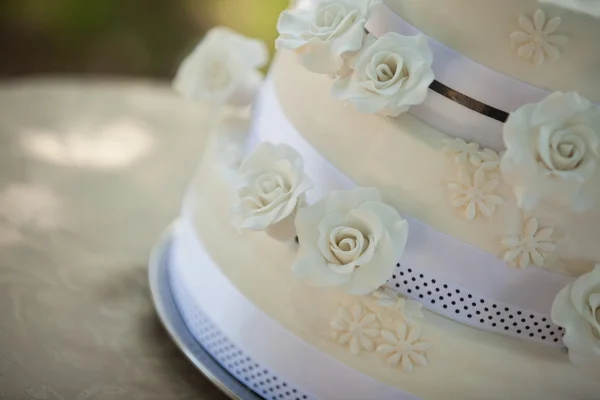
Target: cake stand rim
(171, 320)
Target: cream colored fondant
(405, 159)
(463, 363)
(481, 29)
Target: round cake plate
(168, 314)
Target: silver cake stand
(171, 319)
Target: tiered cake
(411, 209)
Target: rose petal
(581, 287)
(315, 270)
(394, 224)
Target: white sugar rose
(322, 35)
(272, 185)
(223, 68)
(349, 239)
(552, 152)
(590, 7)
(577, 309)
(389, 75)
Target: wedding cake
(407, 207)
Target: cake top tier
(480, 59)
(546, 46)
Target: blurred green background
(119, 37)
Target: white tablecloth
(91, 171)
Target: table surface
(91, 172)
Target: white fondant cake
(410, 212)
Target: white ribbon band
(435, 255)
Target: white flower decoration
(223, 68)
(476, 196)
(322, 35)
(532, 246)
(589, 7)
(355, 328)
(389, 75)
(537, 40)
(577, 309)
(405, 346)
(389, 298)
(272, 185)
(464, 152)
(349, 239)
(552, 152)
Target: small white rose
(324, 34)
(272, 185)
(552, 152)
(223, 68)
(577, 309)
(590, 7)
(389, 75)
(349, 239)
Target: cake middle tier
(416, 168)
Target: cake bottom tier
(241, 301)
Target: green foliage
(132, 37)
